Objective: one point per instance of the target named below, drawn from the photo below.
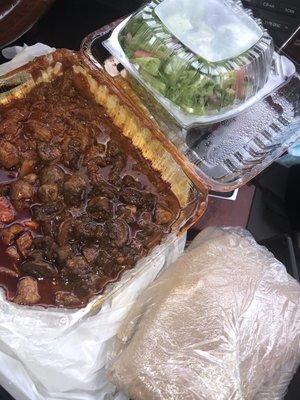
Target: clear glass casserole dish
(129, 121)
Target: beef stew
(79, 203)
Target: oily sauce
(78, 203)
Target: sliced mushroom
(99, 208)
(90, 253)
(52, 174)
(24, 243)
(77, 265)
(118, 232)
(21, 190)
(39, 268)
(48, 151)
(74, 190)
(12, 252)
(27, 291)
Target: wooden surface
(221, 212)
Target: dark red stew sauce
(78, 203)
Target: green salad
(178, 75)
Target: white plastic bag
(61, 354)
(20, 55)
(221, 323)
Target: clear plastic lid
(213, 30)
(200, 58)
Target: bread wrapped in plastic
(223, 322)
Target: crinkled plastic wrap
(223, 323)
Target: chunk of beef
(48, 193)
(104, 258)
(128, 213)
(100, 208)
(10, 124)
(39, 268)
(94, 172)
(48, 248)
(129, 181)
(49, 227)
(77, 265)
(39, 130)
(66, 299)
(163, 215)
(89, 231)
(27, 291)
(118, 231)
(64, 252)
(90, 253)
(30, 178)
(21, 190)
(74, 190)
(9, 156)
(138, 198)
(97, 155)
(7, 212)
(47, 211)
(66, 231)
(72, 154)
(151, 239)
(12, 252)
(112, 149)
(9, 234)
(103, 188)
(52, 174)
(27, 168)
(24, 243)
(145, 221)
(117, 167)
(48, 151)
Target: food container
(131, 121)
(203, 61)
(227, 154)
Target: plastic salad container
(226, 154)
(203, 61)
(202, 56)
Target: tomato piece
(143, 53)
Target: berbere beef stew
(78, 203)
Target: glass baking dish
(129, 118)
(224, 154)
(203, 62)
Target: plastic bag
(61, 354)
(223, 322)
(20, 55)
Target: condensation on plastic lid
(216, 30)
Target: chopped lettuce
(175, 76)
(149, 64)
